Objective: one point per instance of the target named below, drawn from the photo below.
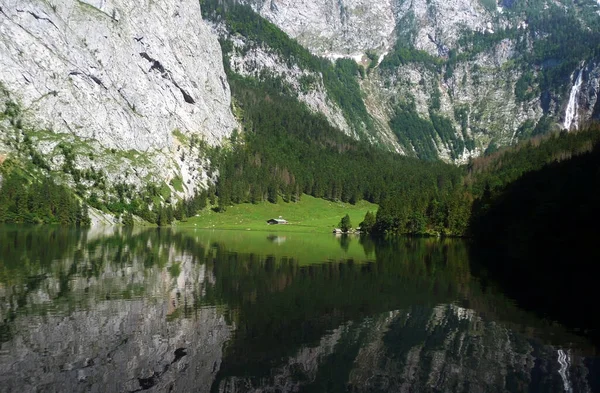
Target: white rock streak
(564, 360)
(572, 113)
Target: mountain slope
(498, 72)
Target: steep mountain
(130, 104)
(119, 88)
(478, 73)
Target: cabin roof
(278, 220)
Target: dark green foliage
(412, 130)
(345, 224)
(525, 130)
(543, 205)
(127, 220)
(504, 167)
(434, 212)
(435, 103)
(373, 59)
(162, 217)
(524, 88)
(368, 223)
(545, 222)
(447, 134)
(543, 126)
(450, 205)
(404, 55)
(26, 148)
(39, 202)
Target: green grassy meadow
(308, 215)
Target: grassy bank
(308, 215)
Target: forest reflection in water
(190, 310)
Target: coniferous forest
(41, 202)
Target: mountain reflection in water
(224, 311)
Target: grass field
(308, 215)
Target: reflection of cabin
(276, 239)
(274, 221)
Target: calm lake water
(224, 311)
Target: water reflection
(276, 239)
(227, 311)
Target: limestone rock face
(122, 74)
(435, 26)
(351, 27)
(333, 28)
(253, 62)
(589, 103)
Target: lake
(184, 310)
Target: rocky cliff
(334, 28)
(112, 77)
(465, 60)
(352, 27)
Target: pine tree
(368, 223)
(345, 224)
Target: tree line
(484, 182)
(39, 202)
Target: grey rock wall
(119, 75)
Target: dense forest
(288, 150)
(484, 181)
(39, 202)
